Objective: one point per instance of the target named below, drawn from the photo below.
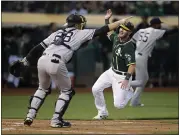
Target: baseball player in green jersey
(119, 75)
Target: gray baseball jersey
(66, 45)
(146, 39)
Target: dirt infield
(15, 126)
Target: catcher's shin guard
(63, 102)
(36, 102)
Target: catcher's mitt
(17, 68)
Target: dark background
(89, 62)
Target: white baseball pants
(121, 97)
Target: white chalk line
(7, 129)
(20, 124)
(58, 130)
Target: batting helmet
(127, 26)
(75, 20)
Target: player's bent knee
(119, 106)
(95, 89)
(47, 91)
(67, 95)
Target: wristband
(106, 21)
(25, 62)
(128, 76)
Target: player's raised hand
(108, 14)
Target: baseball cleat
(28, 121)
(100, 117)
(61, 124)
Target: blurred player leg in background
(141, 79)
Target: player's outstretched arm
(38, 49)
(110, 27)
(170, 32)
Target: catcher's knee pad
(67, 96)
(36, 101)
(47, 91)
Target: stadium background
(25, 24)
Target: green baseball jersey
(123, 53)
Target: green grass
(158, 105)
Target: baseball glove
(17, 68)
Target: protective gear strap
(63, 35)
(65, 105)
(41, 100)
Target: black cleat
(61, 124)
(28, 121)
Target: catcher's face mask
(82, 25)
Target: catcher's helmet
(77, 21)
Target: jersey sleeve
(129, 54)
(111, 37)
(46, 42)
(159, 33)
(86, 34)
(135, 37)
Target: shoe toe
(28, 122)
(61, 124)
